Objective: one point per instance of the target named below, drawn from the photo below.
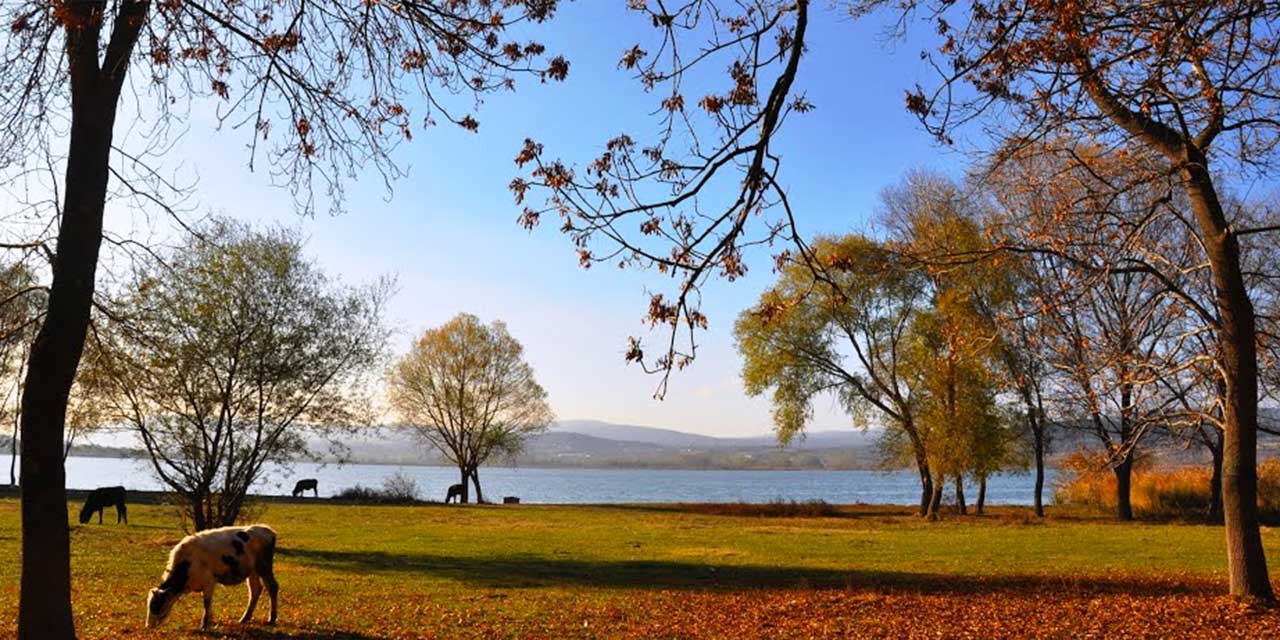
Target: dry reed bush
(1182, 492)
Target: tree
(692, 201)
(329, 85)
(839, 325)
(1189, 82)
(228, 355)
(935, 227)
(21, 302)
(465, 389)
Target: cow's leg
(208, 609)
(100, 510)
(255, 590)
(273, 591)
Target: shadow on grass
(521, 571)
(287, 633)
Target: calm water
(585, 485)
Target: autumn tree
(465, 389)
(935, 227)
(318, 90)
(691, 201)
(1187, 82)
(839, 325)
(227, 354)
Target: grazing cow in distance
(455, 492)
(101, 498)
(510, 500)
(226, 556)
(303, 486)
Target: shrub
(396, 488)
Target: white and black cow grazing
(227, 556)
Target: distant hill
(598, 444)
(680, 439)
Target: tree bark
(982, 495)
(1215, 481)
(926, 491)
(1037, 434)
(961, 508)
(935, 500)
(475, 479)
(466, 483)
(44, 608)
(1238, 359)
(1124, 477)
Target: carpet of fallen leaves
(937, 608)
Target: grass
(675, 571)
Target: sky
(448, 230)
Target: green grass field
(674, 572)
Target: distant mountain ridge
(599, 444)
(672, 438)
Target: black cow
(455, 491)
(100, 499)
(309, 484)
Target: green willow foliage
(227, 353)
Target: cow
(101, 498)
(455, 491)
(226, 556)
(308, 484)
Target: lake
(586, 486)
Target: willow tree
(465, 389)
(1190, 82)
(839, 325)
(317, 89)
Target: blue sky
(449, 232)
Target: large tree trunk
(961, 508)
(1124, 477)
(981, 504)
(1238, 361)
(44, 609)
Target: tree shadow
(285, 633)
(531, 571)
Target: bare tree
(465, 389)
(691, 202)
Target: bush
(396, 488)
(1183, 492)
